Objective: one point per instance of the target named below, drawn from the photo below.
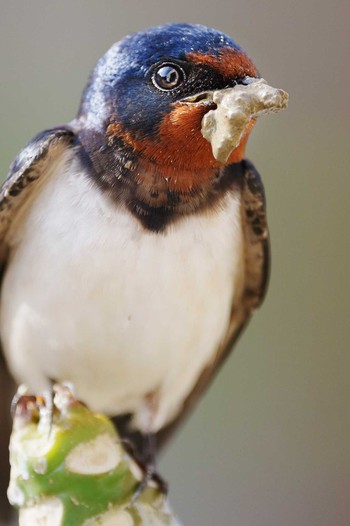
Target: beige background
(269, 445)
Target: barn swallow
(132, 257)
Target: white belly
(130, 317)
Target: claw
(151, 477)
(21, 391)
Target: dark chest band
(117, 172)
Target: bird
(131, 258)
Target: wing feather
(28, 169)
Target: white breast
(129, 316)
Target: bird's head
(151, 91)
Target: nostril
(201, 96)
(205, 97)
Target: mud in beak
(235, 108)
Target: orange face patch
(228, 62)
(179, 153)
(178, 144)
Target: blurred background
(269, 444)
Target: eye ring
(168, 76)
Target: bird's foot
(39, 408)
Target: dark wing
(26, 173)
(257, 264)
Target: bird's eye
(168, 77)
